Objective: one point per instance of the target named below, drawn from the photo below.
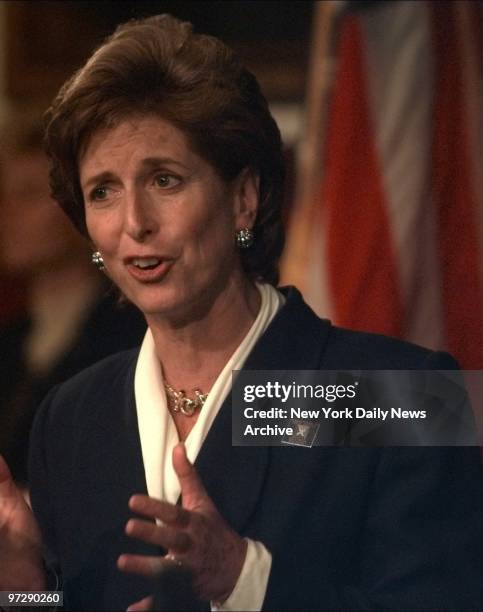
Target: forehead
(134, 138)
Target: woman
(164, 151)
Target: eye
(102, 196)
(166, 181)
(98, 194)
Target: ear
(246, 198)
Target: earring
(244, 238)
(97, 260)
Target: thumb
(142, 604)
(8, 488)
(193, 492)
(6, 481)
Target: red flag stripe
(399, 68)
(362, 275)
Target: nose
(139, 217)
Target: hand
(142, 605)
(194, 534)
(20, 539)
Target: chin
(181, 299)
(159, 302)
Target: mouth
(148, 269)
(146, 263)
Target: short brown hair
(160, 66)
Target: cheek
(101, 232)
(90, 225)
(215, 241)
(91, 231)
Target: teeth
(147, 262)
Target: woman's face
(161, 217)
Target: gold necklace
(184, 404)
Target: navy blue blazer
(348, 528)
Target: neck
(193, 354)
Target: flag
(389, 238)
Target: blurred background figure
(71, 318)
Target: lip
(152, 275)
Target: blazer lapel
(117, 421)
(234, 475)
(295, 340)
(113, 453)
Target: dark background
(46, 41)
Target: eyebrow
(148, 163)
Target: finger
(5, 474)
(157, 509)
(167, 537)
(8, 488)
(142, 604)
(192, 490)
(140, 564)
